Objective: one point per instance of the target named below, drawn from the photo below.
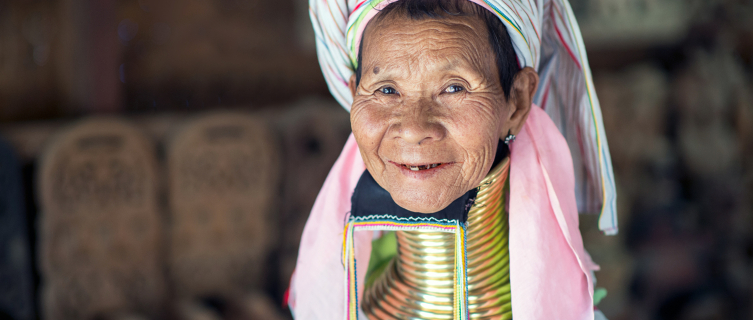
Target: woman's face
(429, 110)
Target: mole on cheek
(376, 70)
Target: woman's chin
(424, 194)
(420, 202)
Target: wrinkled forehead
(359, 25)
(402, 46)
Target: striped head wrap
(546, 37)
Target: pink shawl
(550, 272)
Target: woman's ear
(521, 97)
(352, 85)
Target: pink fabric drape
(550, 272)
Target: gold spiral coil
(418, 283)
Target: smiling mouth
(421, 167)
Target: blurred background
(158, 158)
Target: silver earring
(509, 138)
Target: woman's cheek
(367, 124)
(475, 126)
(476, 133)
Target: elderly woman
(434, 209)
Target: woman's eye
(388, 90)
(454, 89)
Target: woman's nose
(417, 125)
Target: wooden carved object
(100, 229)
(223, 187)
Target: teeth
(418, 168)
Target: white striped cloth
(547, 38)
